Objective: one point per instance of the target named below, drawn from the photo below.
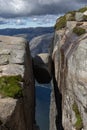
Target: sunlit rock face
(17, 100)
(70, 75)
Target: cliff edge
(68, 109)
(17, 100)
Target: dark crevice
(58, 100)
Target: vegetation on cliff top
(10, 86)
(70, 16)
(79, 124)
(82, 10)
(79, 31)
(61, 23)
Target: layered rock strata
(17, 100)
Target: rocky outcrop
(69, 57)
(17, 99)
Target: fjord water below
(43, 106)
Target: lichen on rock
(79, 31)
(79, 123)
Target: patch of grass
(82, 10)
(79, 124)
(85, 17)
(72, 16)
(61, 23)
(79, 31)
(10, 86)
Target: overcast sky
(19, 10)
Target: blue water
(42, 106)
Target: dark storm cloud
(19, 8)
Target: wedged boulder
(42, 67)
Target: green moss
(10, 86)
(61, 23)
(79, 31)
(79, 124)
(83, 9)
(85, 17)
(72, 16)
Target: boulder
(79, 16)
(71, 24)
(42, 68)
(85, 13)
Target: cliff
(17, 100)
(68, 109)
(66, 65)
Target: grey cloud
(20, 8)
(3, 21)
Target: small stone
(79, 16)
(85, 13)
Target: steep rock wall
(17, 103)
(69, 76)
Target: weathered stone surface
(7, 106)
(17, 56)
(85, 13)
(70, 62)
(42, 67)
(12, 115)
(15, 59)
(71, 24)
(12, 51)
(53, 112)
(79, 16)
(11, 69)
(4, 59)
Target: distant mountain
(28, 33)
(40, 44)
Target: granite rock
(17, 113)
(69, 55)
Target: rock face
(69, 76)
(16, 112)
(41, 44)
